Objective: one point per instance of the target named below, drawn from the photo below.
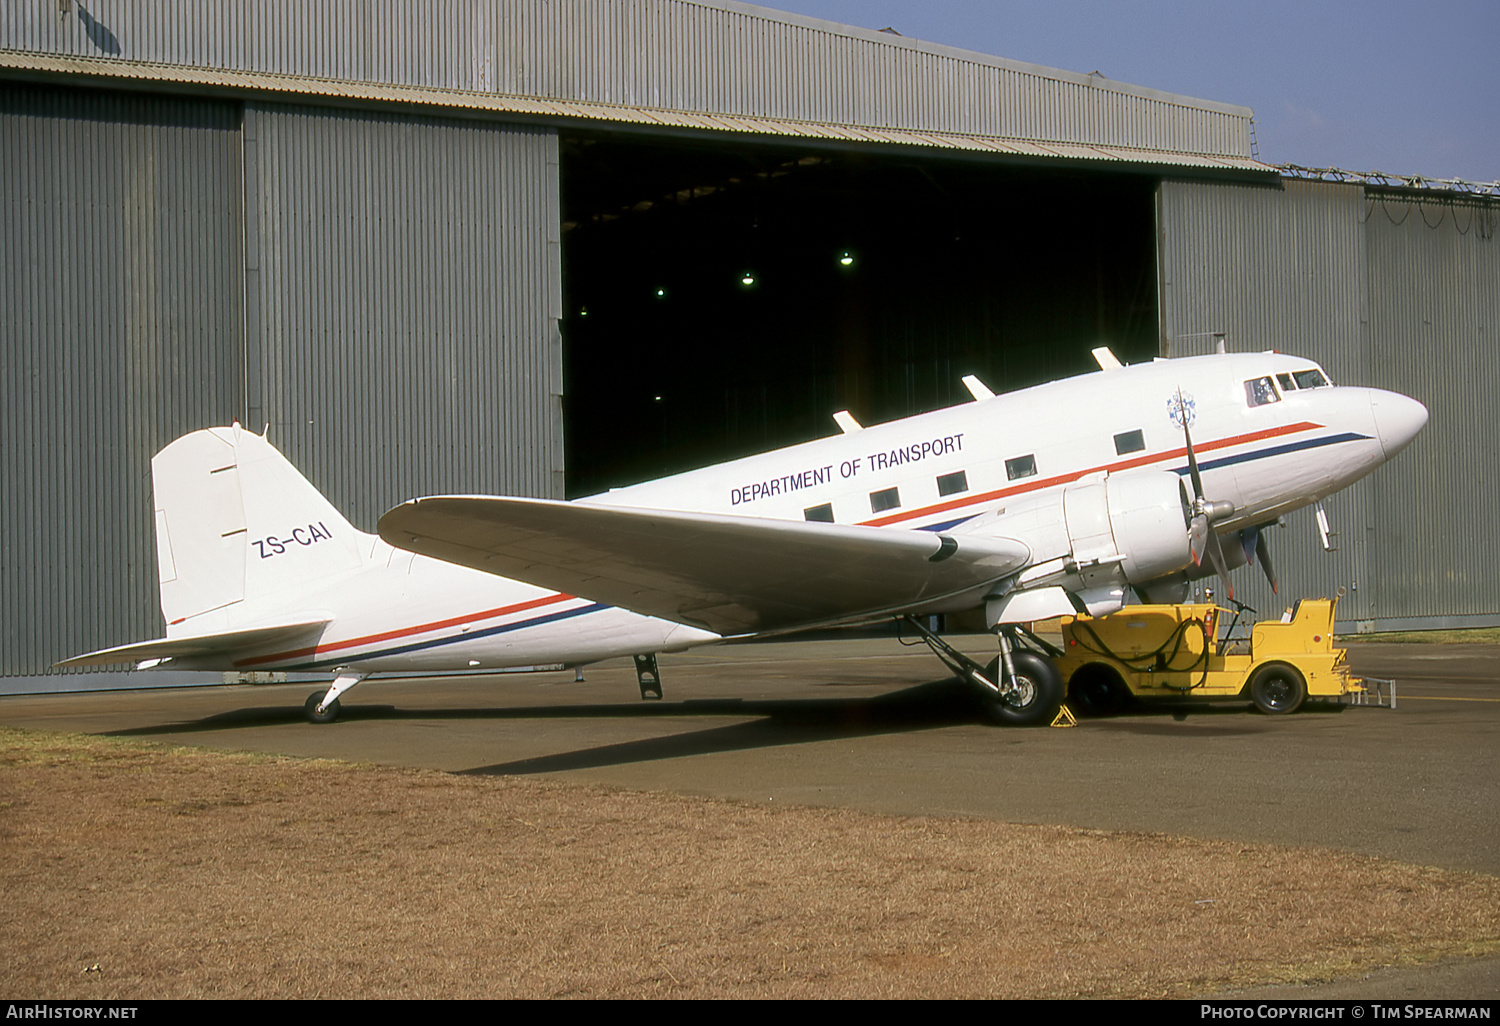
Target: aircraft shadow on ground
(778, 723)
(939, 704)
(759, 723)
(933, 704)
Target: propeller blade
(1201, 536)
(1192, 457)
(1198, 535)
(1263, 553)
(1216, 556)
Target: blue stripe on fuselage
(1275, 450)
(947, 523)
(452, 640)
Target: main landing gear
(1020, 687)
(323, 706)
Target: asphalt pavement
(873, 725)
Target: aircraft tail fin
(237, 526)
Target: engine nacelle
(1090, 541)
(1143, 517)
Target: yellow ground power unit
(1177, 652)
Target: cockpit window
(1310, 378)
(1285, 381)
(1260, 391)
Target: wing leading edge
(728, 574)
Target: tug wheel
(1098, 690)
(1277, 689)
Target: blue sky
(1406, 88)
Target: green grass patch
(1468, 635)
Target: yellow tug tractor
(1176, 652)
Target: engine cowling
(1142, 517)
(1090, 541)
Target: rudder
(200, 526)
(236, 524)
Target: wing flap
(728, 574)
(198, 647)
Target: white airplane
(1049, 500)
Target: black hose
(1174, 640)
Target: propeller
(1254, 541)
(1201, 537)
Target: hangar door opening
(720, 300)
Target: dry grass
(188, 873)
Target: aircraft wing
(728, 574)
(194, 647)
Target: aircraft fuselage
(1267, 459)
(1069, 468)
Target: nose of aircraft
(1398, 418)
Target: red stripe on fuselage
(1049, 482)
(406, 632)
(896, 518)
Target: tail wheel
(1277, 689)
(327, 714)
(1037, 695)
(1098, 690)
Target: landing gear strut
(323, 706)
(1020, 687)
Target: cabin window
(1260, 391)
(1310, 378)
(1129, 441)
(822, 513)
(952, 484)
(1285, 381)
(886, 498)
(1021, 466)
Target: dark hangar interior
(723, 299)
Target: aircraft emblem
(1181, 406)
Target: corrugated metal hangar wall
(700, 64)
(349, 228)
(382, 290)
(1384, 287)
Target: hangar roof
(669, 65)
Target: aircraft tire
(1043, 689)
(310, 707)
(1277, 689)
(1098, 690)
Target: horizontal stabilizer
(728, 574)
(201, 646)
